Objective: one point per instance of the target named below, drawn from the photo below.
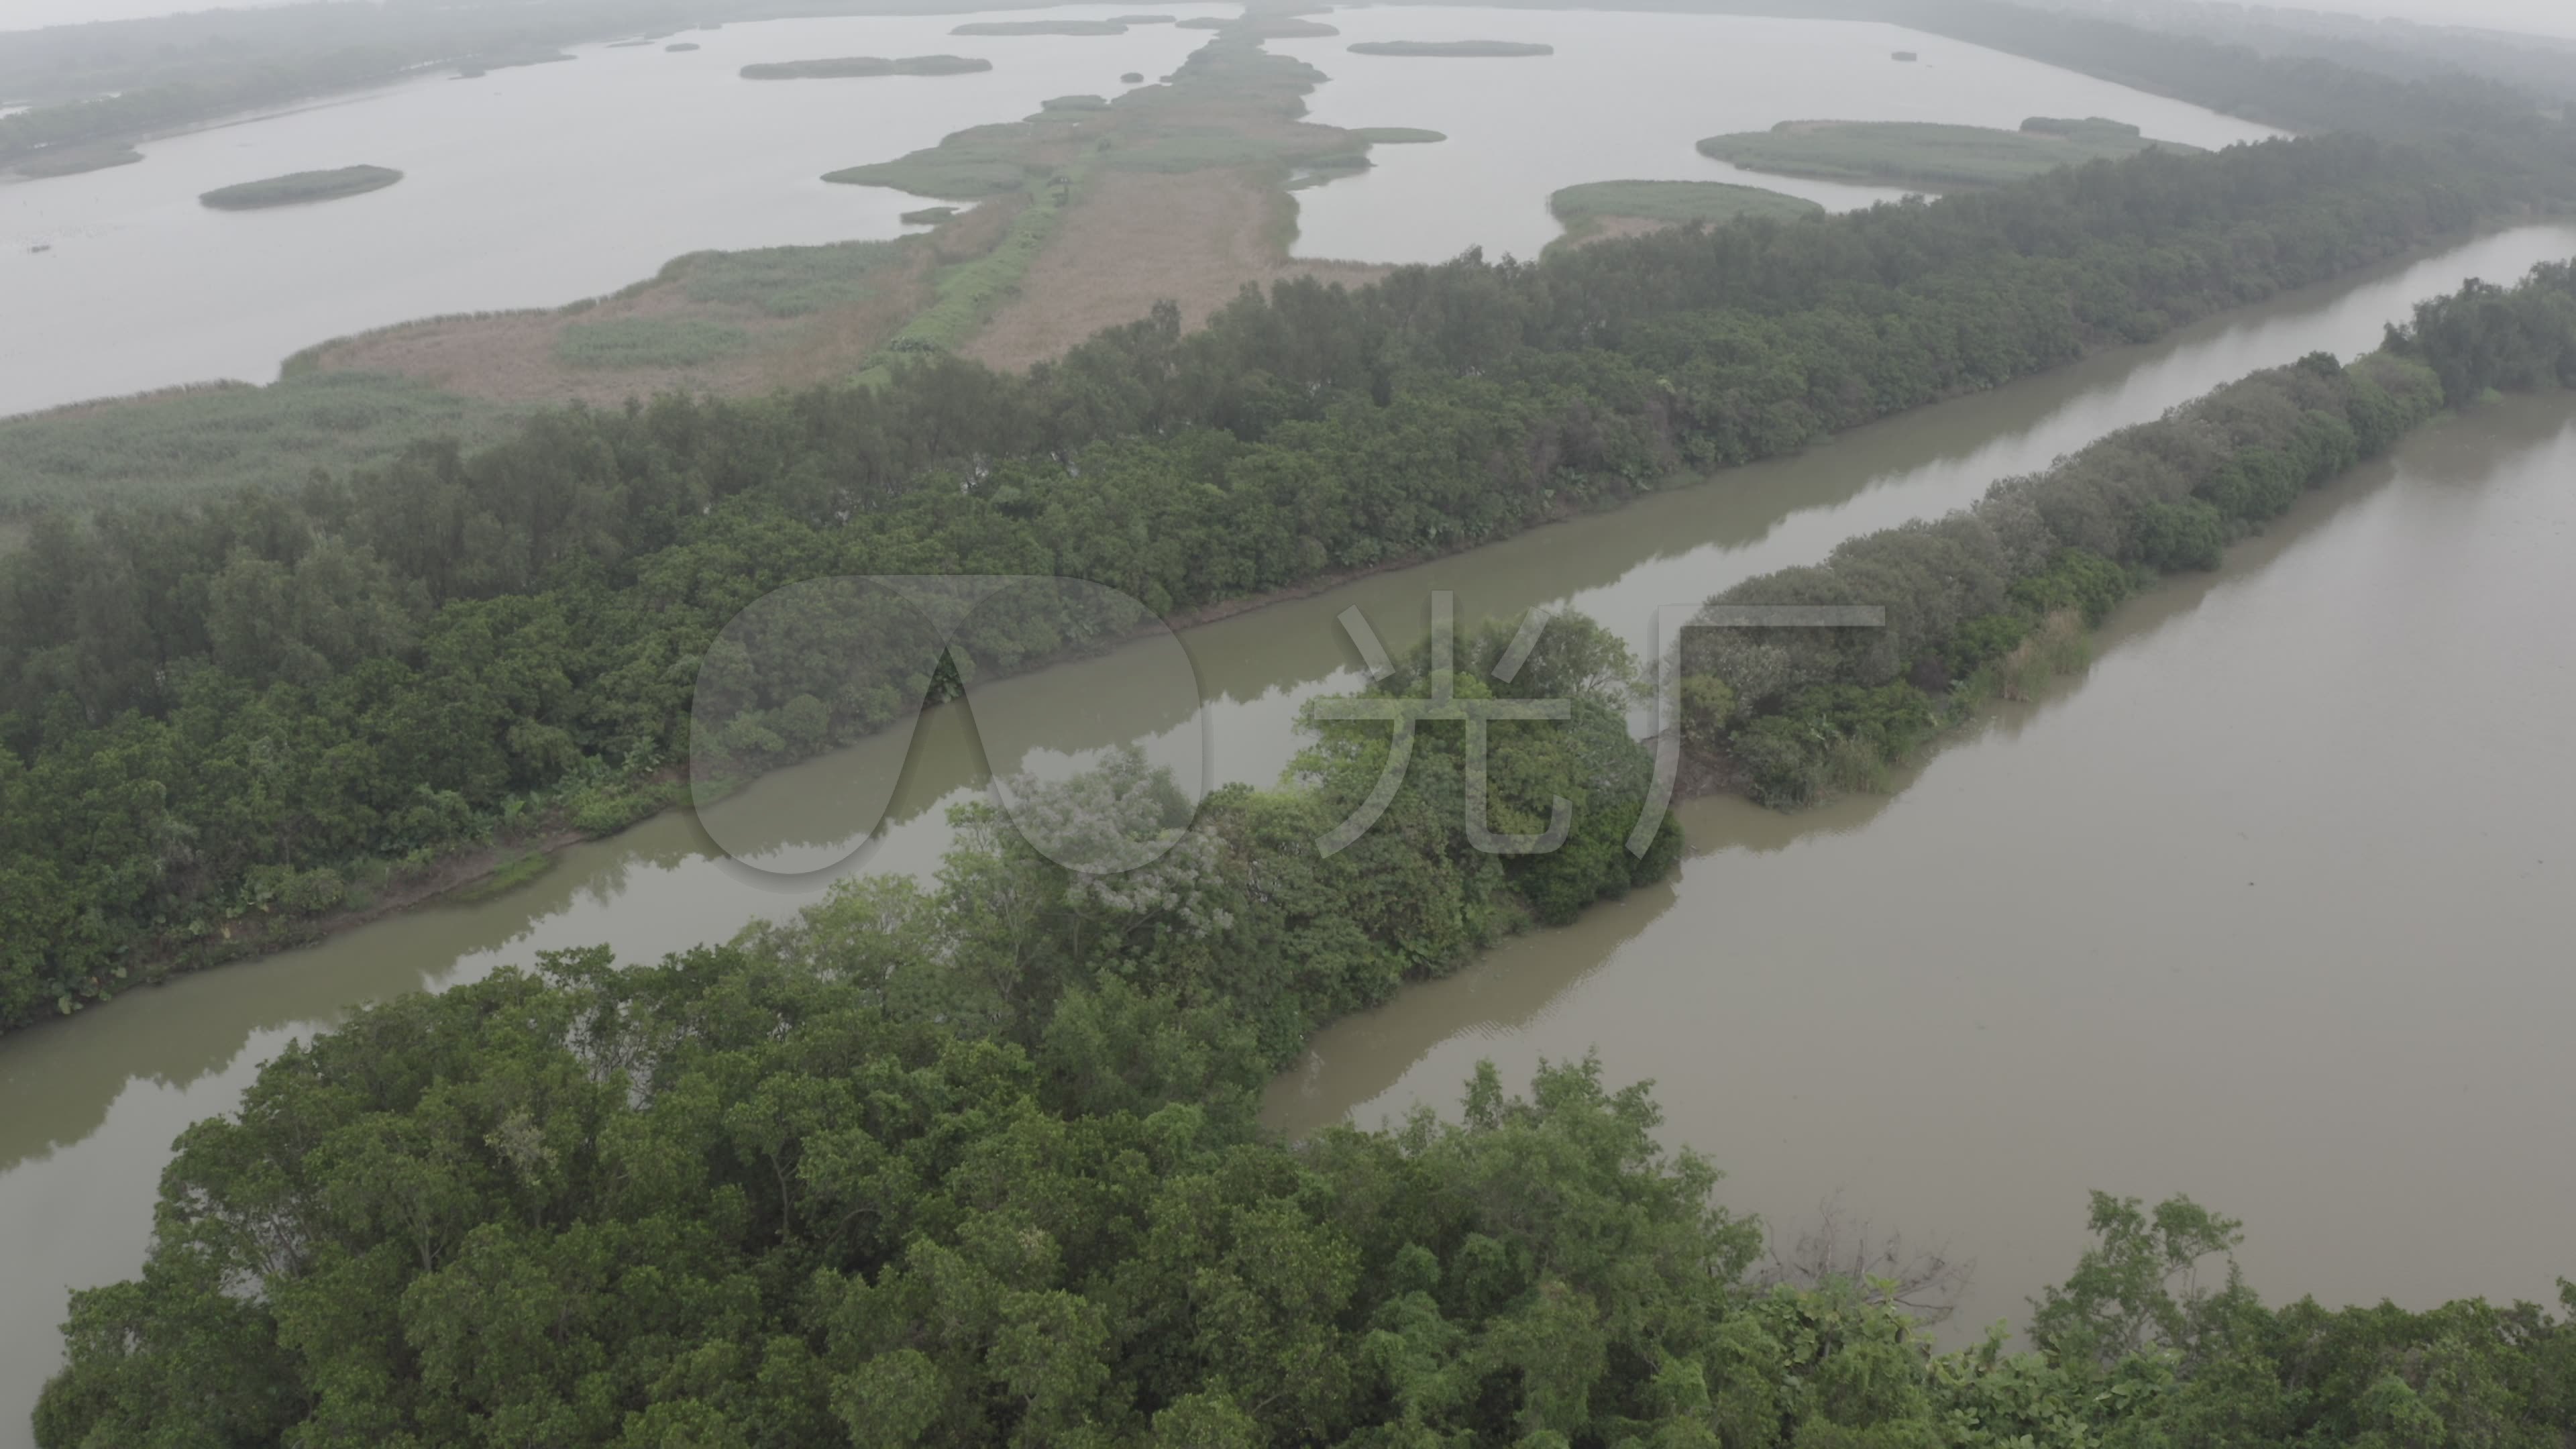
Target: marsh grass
(631, 342)
(1920, 153)
(194, 441)
(507, 874)
(789, 281)
(1400, 136)
(2058, 648)
(1677, 201)
(968, 165)
(299, 187)
(74, 160)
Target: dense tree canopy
(222, 716)
(976, 1165)
(1993, 593)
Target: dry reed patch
(1135, 238)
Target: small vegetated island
(1598, 207)
(1399, 135)
(1451, 49)
(1043, 27)
(73, 160)
(299, 187)
(857, 67)
(1917, 153)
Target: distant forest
(221, 718)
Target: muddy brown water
(2265, 910)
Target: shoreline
(449, 872)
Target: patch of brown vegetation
(1605, 228)
(511, 356)
(1135, 238)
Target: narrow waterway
(93, 1102)
(2270, 909)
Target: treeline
(218, 717)
(1993, 598)
(976, 1165)
(2483, 117)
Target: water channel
(1811, 989)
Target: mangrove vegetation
(1921, 153)
(299, 187)
(221, 718)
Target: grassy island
(854, 67)
(1042, 27)
(685, 45)
(73, 160)
(1451, 49)
(1075, 103)
(1132, 78)
(1598, 208)
(1399, 135)
(1942, 157)
(302, 186)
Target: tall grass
(630, 342)
(1925, 154)
(788, 281)
(184, 442)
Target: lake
(526, 187)
(95, 1101)
(540, 185)
(1628, 97)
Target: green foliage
(966, 166)
(626, 342)
(1677, 201)
(978, 1165)
(788, 281)
(216, 440)
(299, 187)
(373, 666)
(1996, 597)
(2186, 535)
(1928, 154)
(74, 160)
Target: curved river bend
(2218, 920)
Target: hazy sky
(2555, 17)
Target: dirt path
(1140, 237)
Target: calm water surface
(93, 1103)
(2271, 909)
(527, 187)
(1629, 96)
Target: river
(531, 186)
(2270, 909)
(1629, 96)
(95, 1101)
